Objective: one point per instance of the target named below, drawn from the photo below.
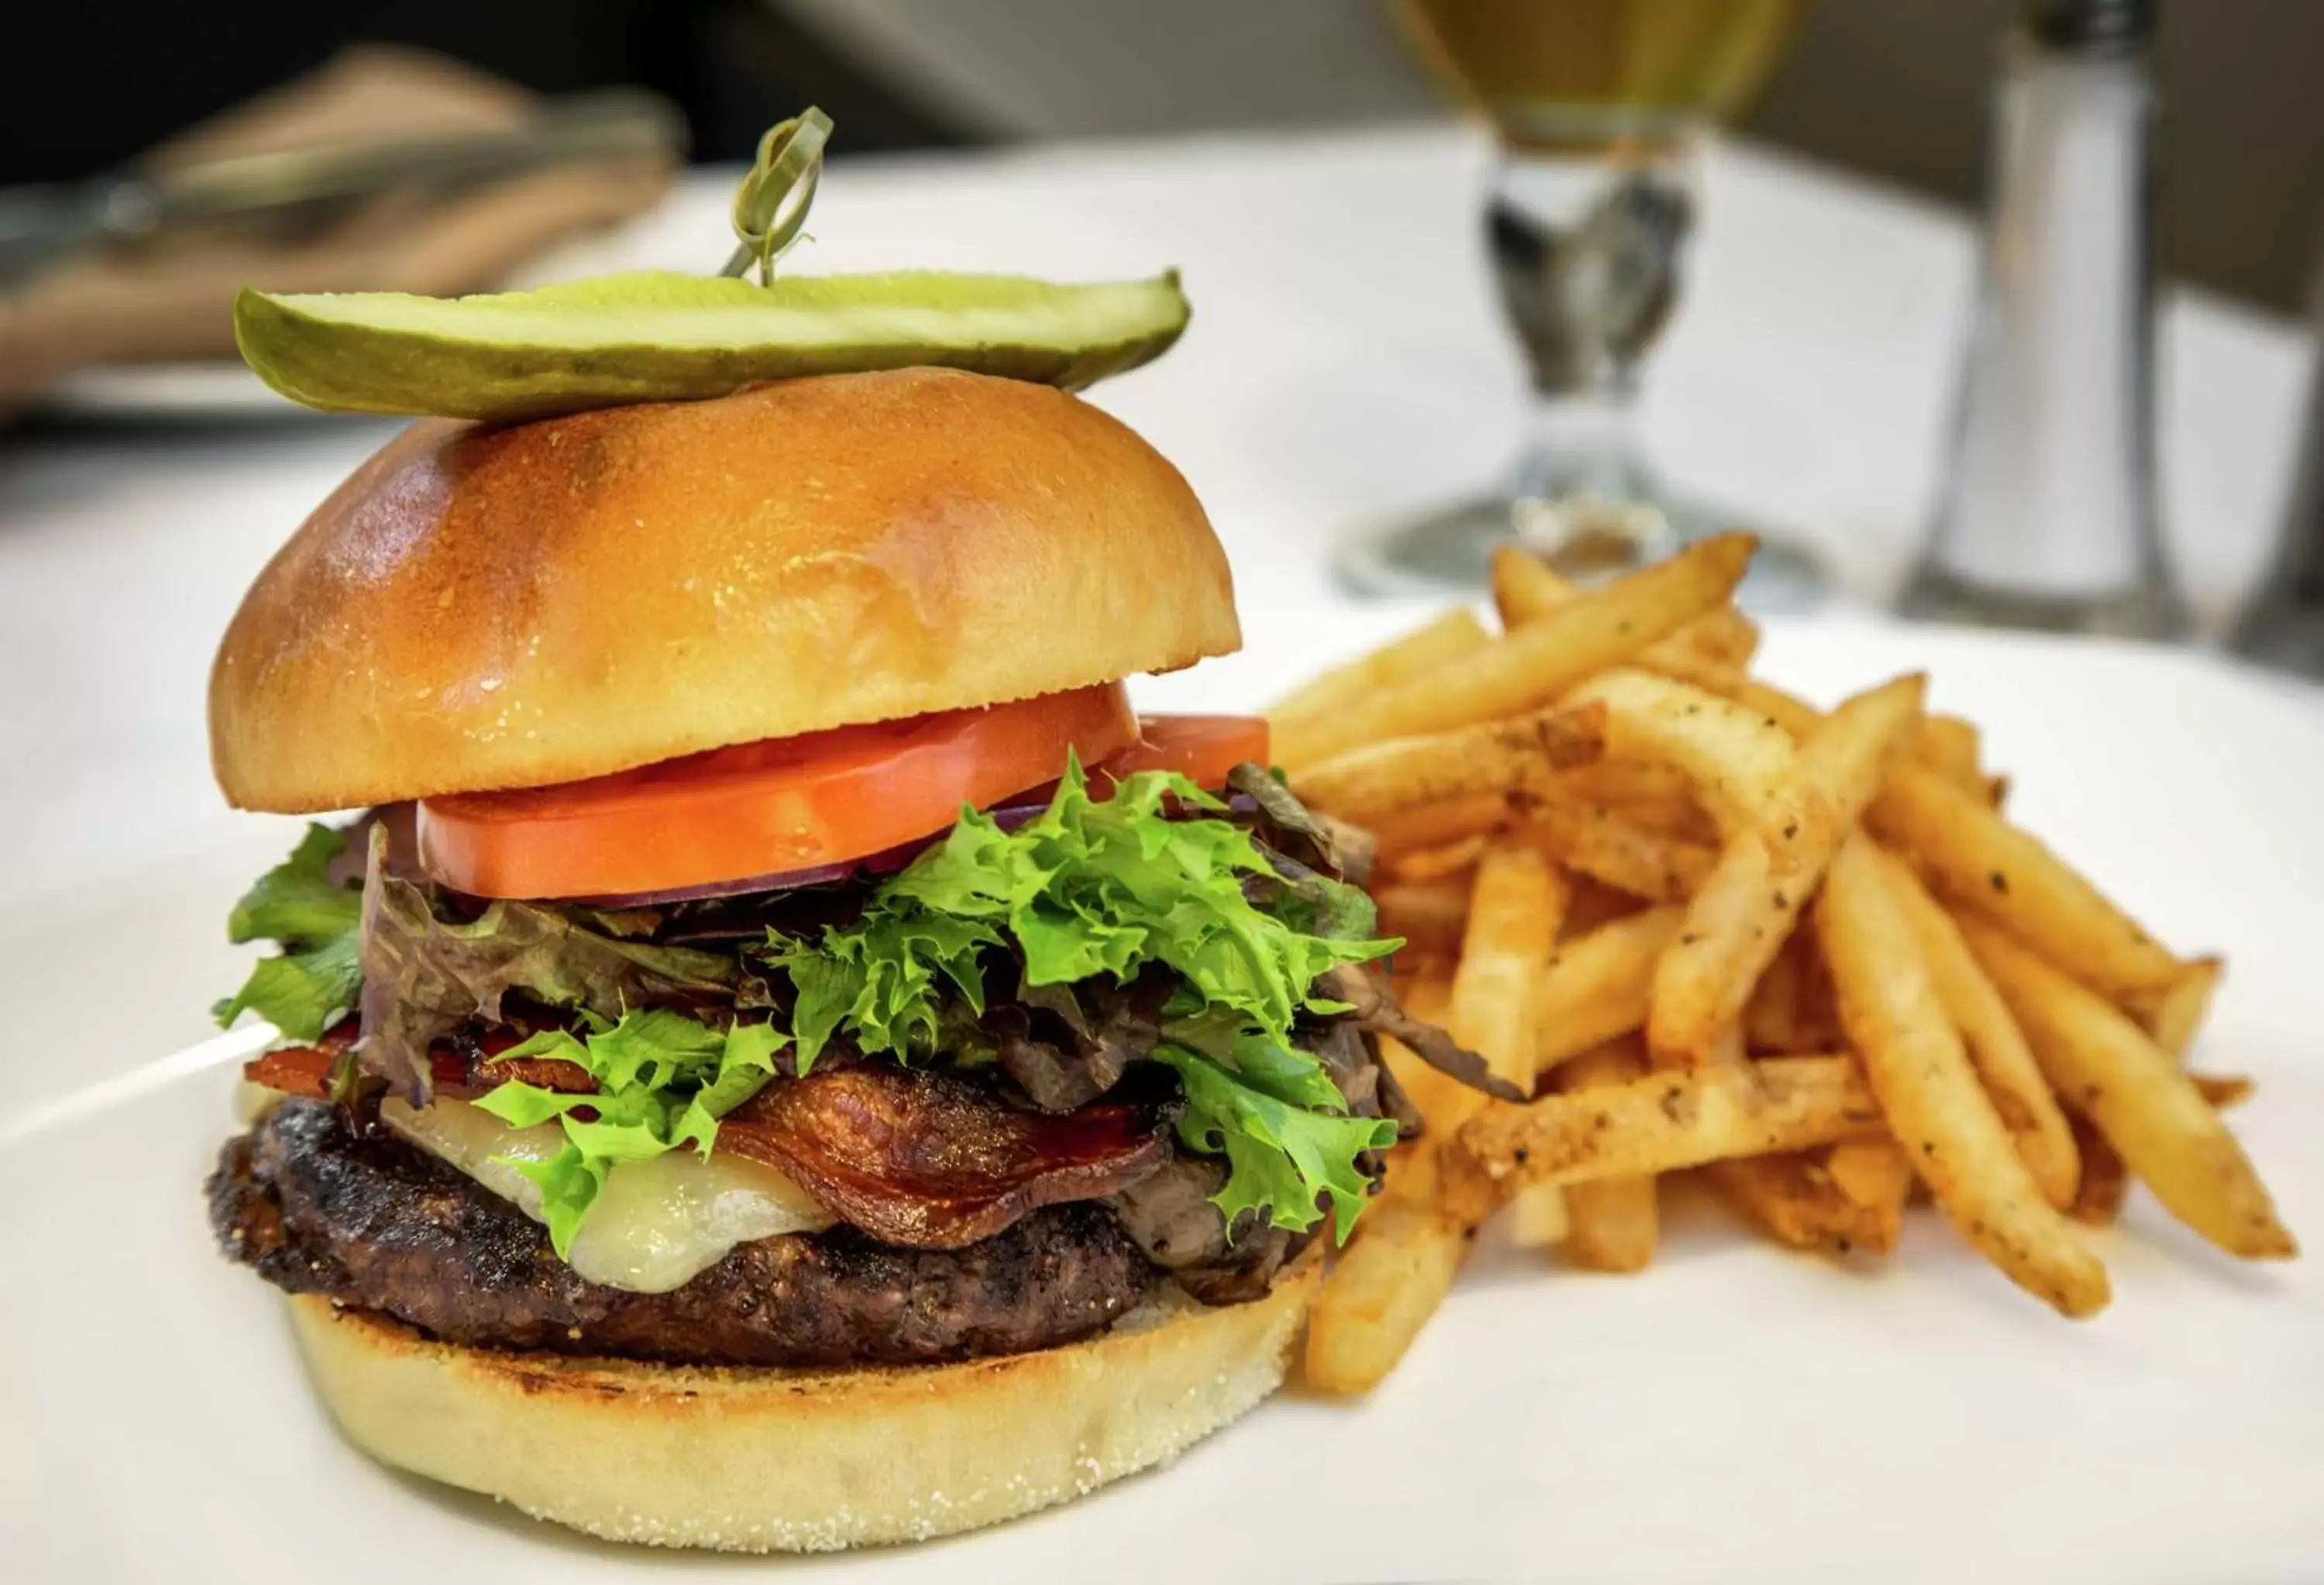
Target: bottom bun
(763, 1460)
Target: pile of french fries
(1714, 930)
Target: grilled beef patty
(375, 1222)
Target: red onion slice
(886, 861)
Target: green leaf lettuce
(315, 978)
(664, 1080)
(1107, 887)
(424, 975)
(1149, 878)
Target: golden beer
(1576, 75)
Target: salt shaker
(2048, 515)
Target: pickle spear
(660, 335)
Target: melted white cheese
(253, 1101)
(657, 1224)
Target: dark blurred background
(1895, 88)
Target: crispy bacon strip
(306, 1070)
(923, 1159)
(295, 1070)
(931, 1161)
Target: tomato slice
(1200, 748)
(766, 808)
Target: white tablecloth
(1346, 363)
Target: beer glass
(1597, 106)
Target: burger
(784, 1058)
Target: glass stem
(1588, 263)
(1589, 260)
(1584, 496)
(1584, 443)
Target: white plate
(1734, 1412)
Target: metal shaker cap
(2096, 27)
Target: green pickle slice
(656, 336)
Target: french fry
(1935, 1106)
(1424, 959)
(1798, 954)
(2105, 1180)
(1939, 742)
(1613, 1222)
(1660, 798)
(1772, 704)
(2178, 1013)
(1530, 667)
(1540, 1218)
(1435, 1092)
(2107, 1068)
(1724, 636)
(1514, 908)
(1384, 1288)
(1455, 859)
(1741, 763)
(1514, 912)
(1436, 826)
(1596, 986)
(2013, 1080)
(1410, 659)
(1818, 1012)
(1978, 859)
(1374, 1303)
(1949, 746)
(1771, 1017)
(1514, 916)
(1429, 998)
(2222, 1091)
(1522, 754)
(1595, 903)
(1729, 1046)
(1630, 783)
(1601, 843)
(1793, 1196)
(1743, 913)
(1665, 1122)
(1406, 1251)
(1429, 914)
(2097, 1199)
(1525, 588)
(1876, 1177)
(1597, 839)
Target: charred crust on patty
(375, 1223)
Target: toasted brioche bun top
(483, 608)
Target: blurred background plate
(166, 393)
(224, 391)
